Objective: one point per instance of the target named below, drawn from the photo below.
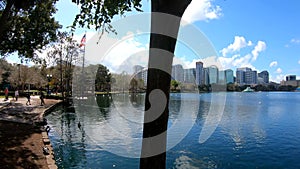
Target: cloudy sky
(260, 34)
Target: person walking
(16, 94)
(28, 99)
(42, 98)
(6, 94)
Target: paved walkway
(18, 111)
(21, 141)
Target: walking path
(22, 138)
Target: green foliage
(136, 85)
(103, 79)
(27, 26)
(174, 84)
(100, 13)
(287, 88)
(5, 71)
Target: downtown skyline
(200, 75)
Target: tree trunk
(161, 54)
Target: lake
(210, 130)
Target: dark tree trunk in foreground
(161, 54)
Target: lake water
(222, 130)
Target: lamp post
(49, 77)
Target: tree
(158, 79)
(64, 51)
(102, 81)
(174, 84)
(26, 26)
(5, 71)
(99, 13)
(27, 76)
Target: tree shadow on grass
(15, 149)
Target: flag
(82, 42)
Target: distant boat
(248, 89)
(297, 89)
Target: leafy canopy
(100, 13)
(26, 26)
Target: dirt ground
(21, 143)
(21, 146)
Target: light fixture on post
(49, 77)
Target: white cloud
(236, 61)
(277, 78)
(200, 10)
(227, 63)
(208, 61)
(118, 53)
(295, 41)
(273, 64)
(239, 43)
(299, 61)
(261, 46)
(279, 70)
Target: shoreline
(23, 137)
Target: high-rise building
(205, 76)
(222, 77)
(189, 75)
(240, 76)
(144, 73)
(246, 76)
(177, 72)
(264, 75)
(290, 77)
(199, 73)
(137, 71)
(229, 76)
(213, 74)
(140, 73)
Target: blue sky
(261, 34)
(274, 22)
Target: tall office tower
(246, 76)
(213, 74)
(251, 77)
(144, 73)
(199, 73)
(137, 70)
(205, 76)
(240, 76)
(290, 77)
(177, 72)
(229, 76)
(264, 75)
(189, 75)
(222, 77)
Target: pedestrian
(6, 94)
(28, 99)
(17, 94)
(42, 98)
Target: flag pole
(83, 57)
(82, 43)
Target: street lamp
(19, 78)
(49, 77)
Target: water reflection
(70, 144)
(104, 103)
(250, 134)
